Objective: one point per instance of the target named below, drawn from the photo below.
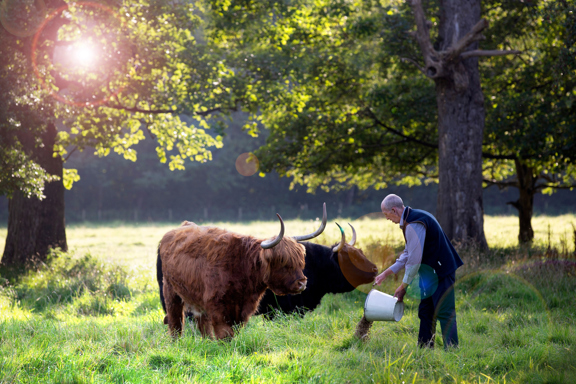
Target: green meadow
(94, 316)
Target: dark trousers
(440, 306)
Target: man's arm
(394, 269)
(410, 258)
(415, 237)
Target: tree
(145, 68)
(531, 126)
(334, 85)
(27, 140)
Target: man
(428, 251)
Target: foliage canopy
(532, 101)
(148, 67)
(336, 84)
(331, 88)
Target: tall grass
(95, 316)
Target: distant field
(135, 244)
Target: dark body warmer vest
(438, 253)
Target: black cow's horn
(266, 244)
(353, 235)
(318, 231)
(342, 242)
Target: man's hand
(400, 292)
(380, 278)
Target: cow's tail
(160, 278)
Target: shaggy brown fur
(220, 276)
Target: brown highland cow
(220, 276)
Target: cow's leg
(174, 310)
(247, 312)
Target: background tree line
(112, 188)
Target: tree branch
(542, 186)
(413, 62)
(208, 111)
(480, 52)
(136, 109)
(424, 156)
(426, 174)
(434, 66)
(159, 111)
(398, 133)
(466, 40)
(487, 155)
(422, 30)
(546, 177)
(500, 184)
(143, 122)
(70, 154)
(384, 145)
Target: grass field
(94, 317)
(135, 244)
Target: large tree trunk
(451, 62)
(525, 202)
(460, 128)
(460, 210)
(35, 226)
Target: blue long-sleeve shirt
(411, 258)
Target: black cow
(325, 275)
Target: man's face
(394, 214)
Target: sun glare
(84, 54)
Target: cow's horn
(266, 244)
(342, 242)
(318, 231)
(353, 241)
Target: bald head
(392, 201)
(392, 208)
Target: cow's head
(284, 260)
(285, 267)
(355, 267)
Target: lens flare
(424, 284)
(84, 54)
(247, 164)
(81, 55)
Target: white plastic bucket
(380, 306)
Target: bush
(64, 279)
